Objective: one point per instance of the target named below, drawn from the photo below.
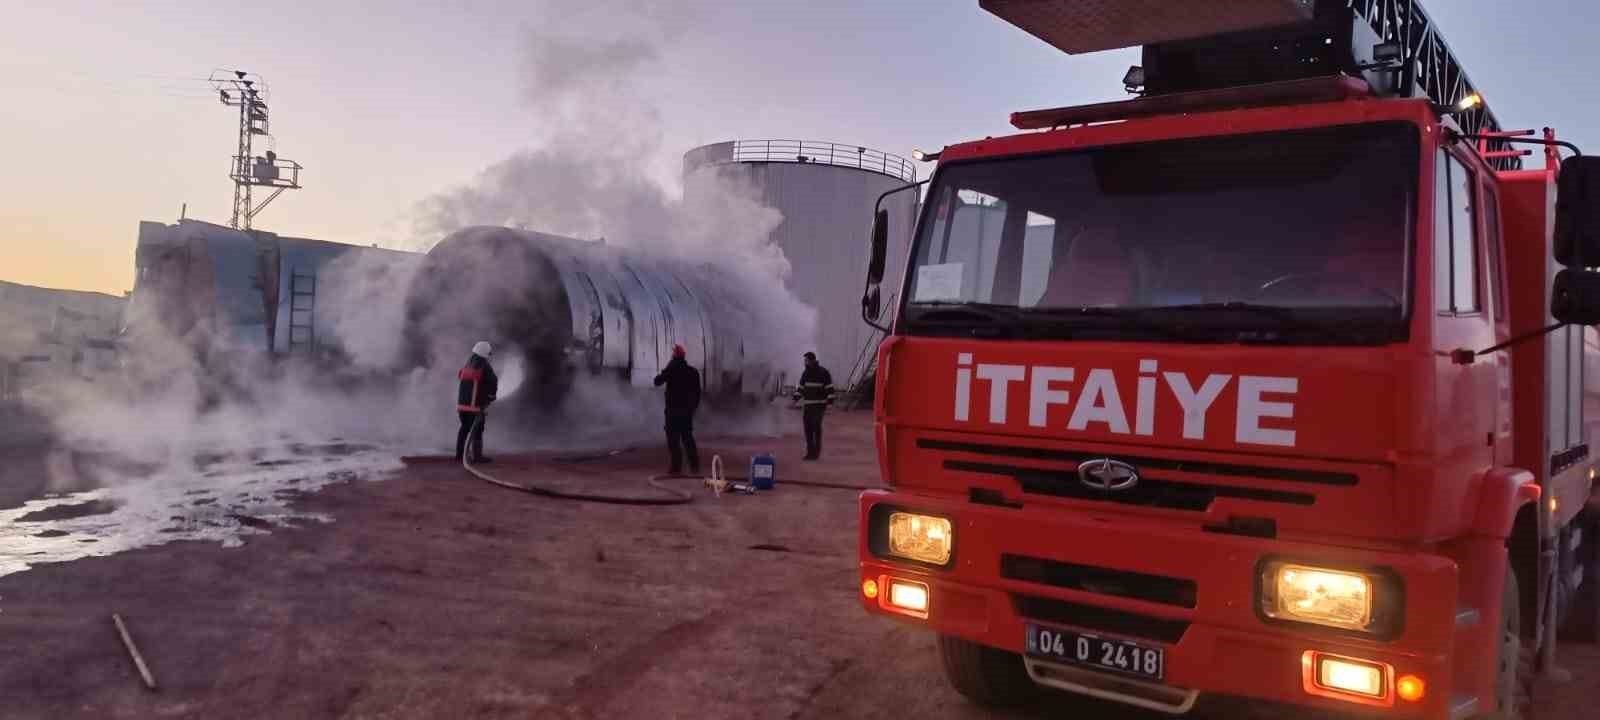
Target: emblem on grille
(1107, 475)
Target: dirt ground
(433, 595)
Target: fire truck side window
(1455, 269)
(1441, 233)
(1491, 224)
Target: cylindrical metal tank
(826, 193)
(561, 307)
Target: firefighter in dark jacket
(476, 391)
(683, 398)
(815, 393)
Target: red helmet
(677, 351)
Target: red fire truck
(1271, 382)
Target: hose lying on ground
(674, 495)
(677, 497)
(591, 456)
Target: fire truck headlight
(1322, 596)
(924, 538)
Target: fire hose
(674, 496)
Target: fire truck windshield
(1281, 236)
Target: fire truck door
(1465, 394)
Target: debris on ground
(133, 651)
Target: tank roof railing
(824, 153)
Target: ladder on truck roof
(1430, 69)
(1393, 41)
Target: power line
(101, 86)
(97, 92)
(100, 76)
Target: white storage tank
(826, 193)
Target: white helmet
(482, 349)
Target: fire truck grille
(1090, 617)
(1258, 472)
(1150, 492)
(1104, 581)
(1159, 483)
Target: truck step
(1467, 617)
(1463, 707)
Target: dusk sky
(107, 120)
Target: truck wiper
(964, 311)
(996, 319)
(981, 319)
(1124, 319)
(1292, 325)
(1085, 311)
(1277, 312)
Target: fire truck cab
(1271, 382)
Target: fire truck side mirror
(1575, 297)
(880, 247)
(872, 303)
(1577, 232)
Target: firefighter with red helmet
(475, 392)
(683, 398)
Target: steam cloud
(586, 81)
(589, 177)
(192, 398)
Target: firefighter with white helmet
(476, 390)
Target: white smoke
(362, 295)
(585, 84)
(191, 398)
(586, 88)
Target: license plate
(1102, 653)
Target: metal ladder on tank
(302, 313)
(866, 364)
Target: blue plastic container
(763, 471)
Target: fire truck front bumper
(1154, 614)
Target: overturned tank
(556, 308)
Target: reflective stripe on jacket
(471, 380)
(816, 386)
(477, 387)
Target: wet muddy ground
(432, 594)
(219, 499)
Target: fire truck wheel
(986, 676)
(1583, 618)
(1515, 667)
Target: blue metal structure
(223, 290)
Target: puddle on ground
(223, 499)
(68, 511)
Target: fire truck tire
(1514, 671)
(1583, 618)
(986, 676)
